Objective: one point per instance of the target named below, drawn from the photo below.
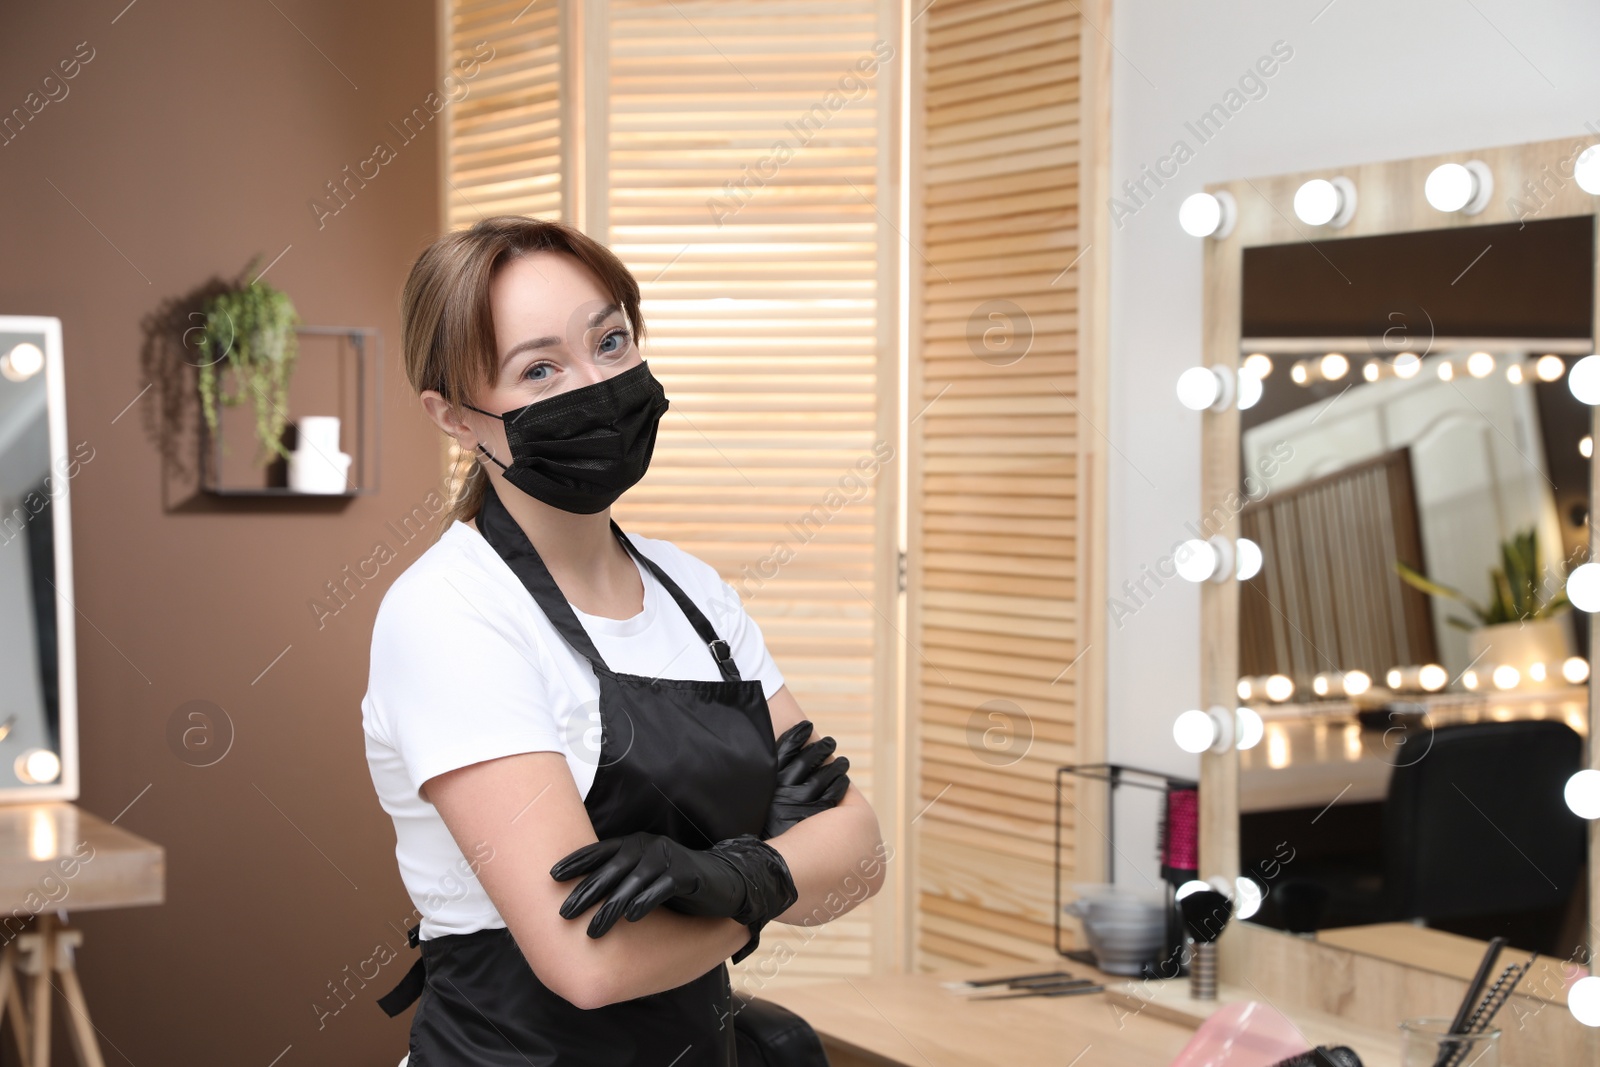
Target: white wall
(1368, 80)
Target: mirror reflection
(1416, 470)
(30, 484)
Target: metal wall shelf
(367, 344)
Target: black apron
(691, 760)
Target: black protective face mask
(580, 450)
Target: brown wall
(192, 140)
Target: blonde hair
(447, 328)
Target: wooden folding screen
(738, 155)
(999, 417)
(749, 186)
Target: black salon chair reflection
(1476, 838)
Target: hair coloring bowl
(1125, 930)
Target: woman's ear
(448, 418)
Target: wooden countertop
(912, 1020)
(56, 855)
(1448, 954)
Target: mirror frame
(61, 528)
(1531, 181)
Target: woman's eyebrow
(545, 342)
(523, 346)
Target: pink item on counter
(1245, 1033)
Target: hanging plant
(249, 330)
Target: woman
(552, 698)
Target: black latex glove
(805, 785)
(740, 878)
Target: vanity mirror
(1410, 436)
(1396, 433)
(38, 701)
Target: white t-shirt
(466, 667)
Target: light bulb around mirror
(1356, 683)
(1200, 388)
(1537, 672)
(1279, 687)
(1514, 373)
(1583, 1000)
(1207, 214)
(1195, 731)
(1196, 560)
(38, 766)
(1200, 215)
(1586, 446)
(1407, 364)
(1549, 368)
(1249, 897)
(1480, 364)
(1469, 679)
(1582, 794)
(1429, 677)
(1575, 669)
(1506, 676)
(1247, 555)
(1583, 587)
(1274, 687)
(1371, 371)
(1447, 370)
(1584, 380)
(1317, 202)
(1464, 187)
(1257, 365)
(1250, 390)
(1250, 728)
(1587, 170)
(1334, 366)
(22, 362)
(1450, 187)
(1300, 373)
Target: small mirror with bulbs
(38, 701)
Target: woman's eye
(537, 366)
(614, 342)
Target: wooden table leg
(43, 943)
(11, 1006)
(48, 948)
(39, 944)
(84, 1041)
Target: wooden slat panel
(505, 150)
(994, 587)
(765, 315)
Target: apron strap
(509, 539)
(511, 542)
(721, 651)
(409, 988)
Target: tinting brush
(1205, 913)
